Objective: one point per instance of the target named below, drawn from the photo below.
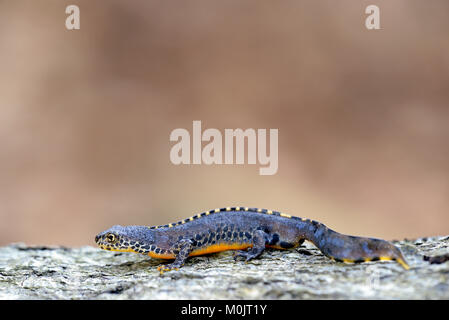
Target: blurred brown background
(85, 118)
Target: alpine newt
(248, 230)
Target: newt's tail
(351, 249)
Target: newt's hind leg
(183, 247)
(259, 238)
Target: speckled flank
(238, 228)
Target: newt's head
(136, 239)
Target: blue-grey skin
(249, 228)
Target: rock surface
(90, 273)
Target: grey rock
(90, 273)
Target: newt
(247, 230)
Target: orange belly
(205, 250)
(220, 247)
(211, 249)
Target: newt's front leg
(183, 247)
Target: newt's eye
(111, 237)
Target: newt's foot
(168, 267)
(247, 255)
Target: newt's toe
(166, 268)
